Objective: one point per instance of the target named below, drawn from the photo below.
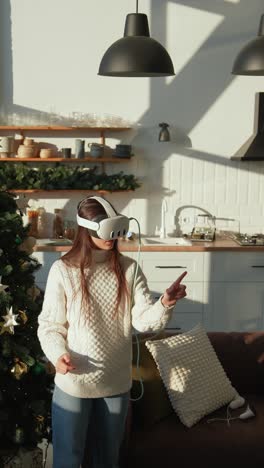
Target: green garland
(61, 177)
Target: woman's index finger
(178, 280)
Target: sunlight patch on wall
(187, 29)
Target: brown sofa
(156, 438)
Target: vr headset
(108, 227)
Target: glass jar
(58, 224)
(69, 230)
(42, 222)
(33, 222)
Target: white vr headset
(112, 227)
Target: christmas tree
(25, 381)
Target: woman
(91, 302)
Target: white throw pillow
(192, 374)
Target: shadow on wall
(202, 80)
(183, 101)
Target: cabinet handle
(170, 266)
(257, 266)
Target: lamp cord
(137, 6)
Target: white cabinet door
(188, 312)
(236, 307)
(234, 291)
(162, 268)
(167, 266)
(235, 266)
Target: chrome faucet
(164, 209)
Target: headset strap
(108, 208)
(87, 223)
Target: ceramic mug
(46, 153)
(28, 142)
(96, 150)
(66, 152)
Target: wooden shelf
(60, 128)
(65, 190)
(67, 160)
(102, 131)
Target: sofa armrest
(240, 360)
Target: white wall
(49, 55)
(50, 58)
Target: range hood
(253, 149)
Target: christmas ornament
(27, 359)
(3, 329)
(23, 318)
(25, 265)
(39, 424)
(2, 286)
(22, 203)
(38, 369)
(19, 369)
(33, 292)
(17, 434)
(10, 321)
(18, 240)
(28, 245)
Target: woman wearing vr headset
(92, 300)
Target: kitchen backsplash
(233, 192)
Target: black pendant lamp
(250, 60)
(136, 54)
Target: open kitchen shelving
(68, 130)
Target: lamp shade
(136, 54)
(250, 60)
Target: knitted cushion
(192, 374)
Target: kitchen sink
(166, 241)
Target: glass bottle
(42, 222)
(58, 224)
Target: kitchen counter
(132, 246)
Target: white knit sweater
(100, 346)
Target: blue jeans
(71, 417)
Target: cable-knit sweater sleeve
(52, 330)
(146, 314)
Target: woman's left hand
(175, 292)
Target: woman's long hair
(80, 255)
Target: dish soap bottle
(58, 224)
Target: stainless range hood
(253, 149)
